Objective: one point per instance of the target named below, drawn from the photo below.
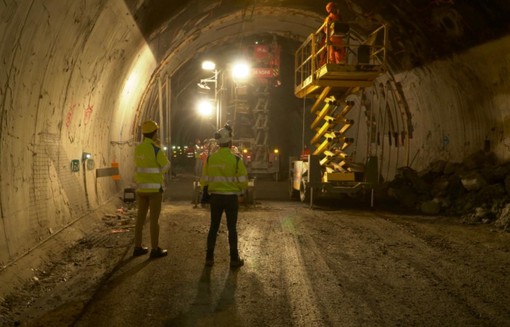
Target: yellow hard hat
(149, 126)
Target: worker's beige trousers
(148, 202)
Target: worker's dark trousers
(218, 204)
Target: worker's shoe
(140, 250)
(158, 253)
(236, 262)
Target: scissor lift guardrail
(365, 61)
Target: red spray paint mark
(69, 115)
(88, 114)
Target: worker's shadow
(226, 302)
(122, 272)
(204, 310)
(127, 269)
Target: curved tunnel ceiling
(421, 31)
(209, 34)
(182, 34)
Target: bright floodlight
(208, 65)
(240, 71)
(205, 108)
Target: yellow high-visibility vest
(150, 165)
(224, 173)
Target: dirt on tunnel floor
(330, 266)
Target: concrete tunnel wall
(455, 107)
(73, 74)
(461, 103)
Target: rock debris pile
(478, 189)
(122, 220)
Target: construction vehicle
(332, 167)
(249, 105)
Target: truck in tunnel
(78, 78)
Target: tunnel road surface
(337, 267)
(328, 266)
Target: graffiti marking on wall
(88, 114)
(69, 115)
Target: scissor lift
(328, 168)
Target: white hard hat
(223, 135)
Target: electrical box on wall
(91, 164)
(75, 165)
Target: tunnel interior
(79, 77)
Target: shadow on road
(205, 309)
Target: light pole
(211, 66)
(240, 72)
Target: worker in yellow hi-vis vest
(150, 165)
(224, 178)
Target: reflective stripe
(152, 186)
(225, 179)
(148, 170)
(166, 167)
(221, 179)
